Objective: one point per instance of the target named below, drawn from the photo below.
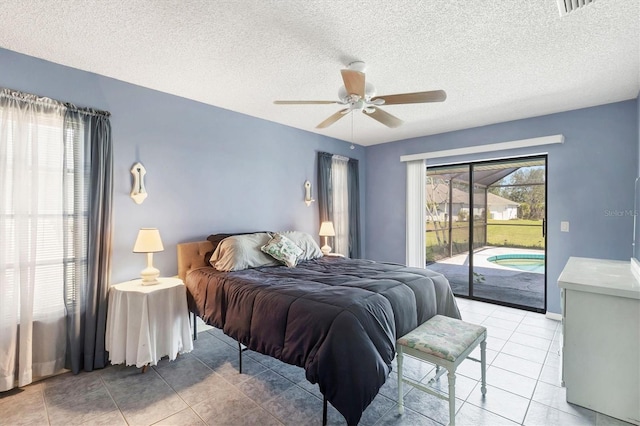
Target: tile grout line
(529, 400)
(154, 368)
(258, 405)
(112, 398)
(44, 403)
(557, 332)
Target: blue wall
(212, 170)
(208, 169)
(591, 178)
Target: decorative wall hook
(138, 191)
(307, 193)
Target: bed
(335, 317)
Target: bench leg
(195, 326)
(400, 393)
(452, 397)
(439, 372)
(483, 365)
(324, 410)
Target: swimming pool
(524, 262)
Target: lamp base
(325, 249)
(150, 276)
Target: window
(49, 154)
(34, 216)
(339, 201)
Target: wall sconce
(138, 192)
(307, 193)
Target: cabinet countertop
(609, 277)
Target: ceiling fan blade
(384, 118)
(353, 82)
(413, 98)
(303, 102)
(333, 118)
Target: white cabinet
(601, 336)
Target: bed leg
(324, 410)
(195, 327)
(239, 358)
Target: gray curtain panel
(353, 183)
(88, 134)
(325, 202)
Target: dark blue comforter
(337, 318)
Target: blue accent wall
(208, 169)
(213, 170)
(590, 183)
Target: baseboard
(553, 316)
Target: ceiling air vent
(568, 6)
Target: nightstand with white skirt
(145, 323)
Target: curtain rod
(42, 100)
(88, 111)
(340, 157)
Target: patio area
(495, 282)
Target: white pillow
(240, 252)
(310, 249)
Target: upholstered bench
(445, 342)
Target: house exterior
(439, 208)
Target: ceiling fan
(359, 95)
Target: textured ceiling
(497, 60)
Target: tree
(525, 187)
(438, 198)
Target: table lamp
(326, 230)
(149, 242)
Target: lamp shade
(326, 230)
(148, 241)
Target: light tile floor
(204, 387)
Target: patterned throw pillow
(283, 249)
(310, 249)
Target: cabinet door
(562, 324)
(601, 360)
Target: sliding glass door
(485, 229)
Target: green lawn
(515, 233)
(502, 233)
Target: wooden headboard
(191, 256)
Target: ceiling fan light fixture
(369, 92)
(358, 94)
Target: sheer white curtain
(32, 309)
(340, 196)
(416, 187)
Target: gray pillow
(310, 249)
(240, 252)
